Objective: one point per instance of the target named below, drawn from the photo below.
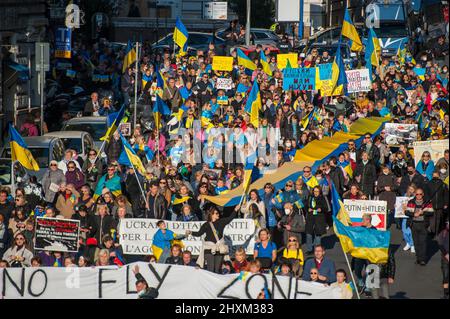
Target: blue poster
(325, 71)
(63, 43)
(303, 79)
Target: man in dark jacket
(6, 207)
(412, 178)
(142, 288)
(102, 223)
(326, 267)
(92, 106)
(334, 174)
(134, 191)
(368, 147)
(365, 174)
(156, 206)
(114, 148)
(437, 192)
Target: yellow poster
(222, 63)
(283, 58)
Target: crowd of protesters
(291, 221)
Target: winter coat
(437, 191)
(76, 178)
(56, 177)
(297, 223)
(315, 222)
(66, 206)
(368, 176)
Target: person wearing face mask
(412, 177)
(437, 191)
(291, 224)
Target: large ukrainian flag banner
(245, 60)
(360, 242)
(20, 151)
(253, 104)
(313, 154)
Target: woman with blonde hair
(293, 255)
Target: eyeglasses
(313, 273)
(53, 165)
(306, 171)
(288, 185)
(419, 194)
(111, 169)
(22, 239)
(426, 156)
(292, 240)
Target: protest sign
(436, 149)
(283, 58)
(224, 84)
(358, 81)
(222, 100)
(222, 63)
(325, 71)
(125, 129)
(376, 208)
(136, 235)
(172, 282)
(299, 79)
(399, 210)
(397, 133)
(54, 234)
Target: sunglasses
(288, 185)
(22, 239)
(111, 169)
(306, 171)
(53, 165)
(292, 240)
(313, 273)
(419, 194)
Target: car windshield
(5, 173)
(391, 31)
(96, 130)
(73, 143)
(330, 49)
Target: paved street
(411, 280)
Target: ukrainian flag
(20, 151)
(360, 242)
(128, 157)
(305, 120)
(373, 51)
(248, 173)
(245, 60)
(347, 167)
(253, 104)
(349, 31)
(265, 64)
(159, 108)
(130, 57)
(114, 119)
(180, 35)
(179, 200)
(338, 76)
(146, 78)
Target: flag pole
(351, 273)
(99, 151)
(136, 85)
(140, 186)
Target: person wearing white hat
(52, 180)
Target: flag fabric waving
(180, 35)
(130, 57)
(20, 151)
(128, 157)
(113, 120)
(338, 76)
(159, 108)
(373, 51)
(253, 104)
(349, 31)
(245, 60)
(265, 64)
(360, 242)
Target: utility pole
(247, 25)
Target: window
(260, 35)
(73, 143)
(96, 130)
(88, 144)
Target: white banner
(397, 133)
(358, 80)
(224, 84)
(357, 208)
(436, 149)
(399, 210)
(136, 235)
(172, 282)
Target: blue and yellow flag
(113, 120)
(146, 78)
(128, 157)
(20, 151)
(245, 60)
(373, 51)
(253, 104)
(130, 57)
(338, 76)
(265, 64)
(159, 108)
(360, 242)
(249, 173)
(179, 200)
(180, 35)
(305, 120)
(349, 31)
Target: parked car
(260, 36)
(196, 41)
(96, 126)
(12, 174)
(79, 141)
(327, 37)
(44, 150)
(247, 49)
